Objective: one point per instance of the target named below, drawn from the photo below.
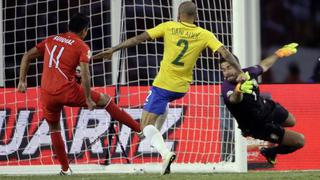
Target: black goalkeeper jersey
(253, 109)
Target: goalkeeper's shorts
(271, 129)
(158, 99)
(73, 96)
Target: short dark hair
(78, 22)
(188, 8)
(222, 60)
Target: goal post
(246, 46)
(1, 51)
(199, 128)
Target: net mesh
(198, 127)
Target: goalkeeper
(258, 117)
(183, 44)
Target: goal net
(198, 127)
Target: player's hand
(78, 75)
(91, 104)
(242, 77)
(22, 87)
(107, 54)
(287, 50)
(245, 87)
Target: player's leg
(152, 134)
(291, 142)
(117, 113)
(51, 113)
(288, 141)
(290, 121)
(59, 147)
(77, 99)
(155, 106)
(160, 120)
(154, 109)
(282, 116)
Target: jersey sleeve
(157, 31)
(213, 43)
(85, 53)
(41, 46)
(254, 71)
(227, 89)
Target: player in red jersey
(62, 54)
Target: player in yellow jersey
(183, 43)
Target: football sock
(121, 116)
(281, 149)
(59, 149)
(156, 139)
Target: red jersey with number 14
(62, 54)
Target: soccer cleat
(270, 157)
(66, 173)
(167, 163)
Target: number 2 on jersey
(57, 59)
(184, 50)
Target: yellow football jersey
(183, 43)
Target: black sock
(281, 150)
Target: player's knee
(104, 100)
(147, 118)
(292, 120)
(145, 123)
(297, 141)
(54, 127)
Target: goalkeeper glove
(243, 77)
(245, 87)
(287, 50)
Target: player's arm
(268, 62)
(285, 51)
(85, 82)
(24, 67)
(149, 34)
(216, 46)
(132, 41)
(245, 87)
(107, 53)
(236, 97)
(228, 56)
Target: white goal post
(198, 128)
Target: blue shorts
(158, 99)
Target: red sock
(59, 149)
(121, 116)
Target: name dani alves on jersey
(183, 33)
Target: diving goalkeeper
(183, 44)
(258, 117)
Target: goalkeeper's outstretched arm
(107, 53)
(268, 62)
(285, 51)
